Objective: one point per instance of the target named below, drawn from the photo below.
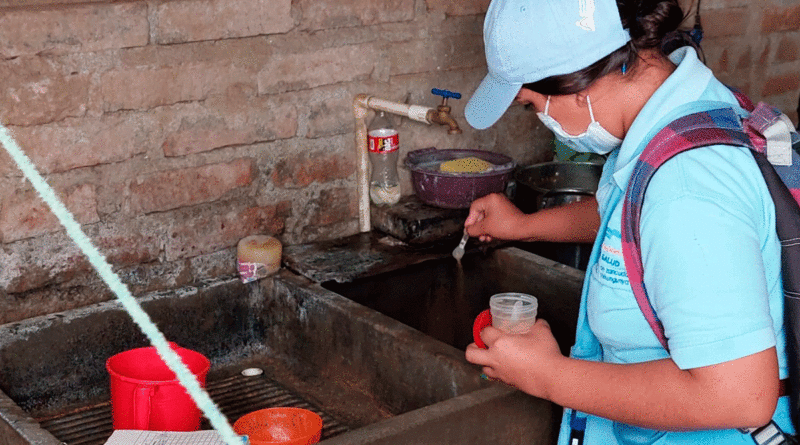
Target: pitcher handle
(481, 321)
(141, 407)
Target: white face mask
(595, 139)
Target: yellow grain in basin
(465, 165)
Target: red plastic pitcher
(146, 395)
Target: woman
(595, 74)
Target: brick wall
(173, 128)
(755, 46)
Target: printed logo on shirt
(610, 268)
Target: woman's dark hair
(649, 22)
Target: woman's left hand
(520, 360)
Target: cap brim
(490, 101)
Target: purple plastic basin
(456, 190)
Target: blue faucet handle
(446, 93)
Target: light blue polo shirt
(711, 260)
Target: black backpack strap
(787, 224)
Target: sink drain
(235, 396)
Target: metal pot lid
(561, 177)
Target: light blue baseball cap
(530, 40)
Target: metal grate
(235, 396)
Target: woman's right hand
(494, 216)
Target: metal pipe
(362, 162)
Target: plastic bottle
(384, 149)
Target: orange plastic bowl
(285, 426)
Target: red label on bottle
(383, 141)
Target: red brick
(318, 67)
(775, 85)
(328, 118)
(128, 247)
(26, 277)
(85, 142)
(458, 7)
(197, 136)
(745, 60)
(142, 89)
(793, 116)
(333, 206)
(743, 86)
(781, 19)
(787, 50)
(113, 188)
(764, 58)
(725, 22)
(246, 53)
(27, 3)
(219, 230)
(25, 215)
(460, 51)
(228, 121)
(35, 92)
(192, 20)
(185, 187)
(722, 62)
(160, 275)
(303, 169)
(62, 267)
(80, 28)
(327, 14)
(166, 74)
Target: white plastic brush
(458, 252)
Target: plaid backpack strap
(770, 130)
(743, 99)
(713, 127)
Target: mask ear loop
(591, 113)
(547, 106)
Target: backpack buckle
(771, 434)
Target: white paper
(138, 437)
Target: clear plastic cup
(513, 312)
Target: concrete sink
(376, 378)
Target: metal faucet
(442, 115)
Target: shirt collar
(686, 84)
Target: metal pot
(456, 190)
(551, 184)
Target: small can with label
(258, 256)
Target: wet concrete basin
(441, 297)
(375, 376)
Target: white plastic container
(513, 312)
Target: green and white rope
(139, 316)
